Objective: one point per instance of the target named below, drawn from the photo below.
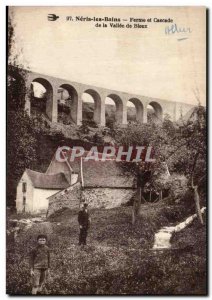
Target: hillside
(88, 109)
(118, 258)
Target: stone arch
(97, 104)
(119, 107)
(48, 95)
(71, 103)
(157, 113)
(139, 108)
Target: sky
(144, 61)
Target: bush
(178, 187)
(117, 260)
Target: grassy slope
(117, 260)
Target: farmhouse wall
(69, 198)
(107, 197)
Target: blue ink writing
(176, 29)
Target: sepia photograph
(106, 160)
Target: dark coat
(83, 218)
(40, 257)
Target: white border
(3, 5)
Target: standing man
(84, 222)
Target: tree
(21, 132)
(195, 190)
(155, 135)
(174, 145)
(190, 155)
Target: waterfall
(163, 236)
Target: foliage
(110, 122)
(178, 186)
(21, 149)
(89, 123)
(21, 137)
(63, 108)
(117, 260)
(192, 140)
(174, 144)
(23, 132)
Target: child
(40, 263)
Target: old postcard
(106, 151)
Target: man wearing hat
(84, 222)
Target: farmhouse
(101, 184)
(65, 184)
(34, 188)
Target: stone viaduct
(76, 90)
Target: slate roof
(64, 167)
(43, 181)
(107, 174)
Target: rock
(37, 220)
(25, 221)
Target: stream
(163, 236)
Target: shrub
(178, 187)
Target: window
(24, 186)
